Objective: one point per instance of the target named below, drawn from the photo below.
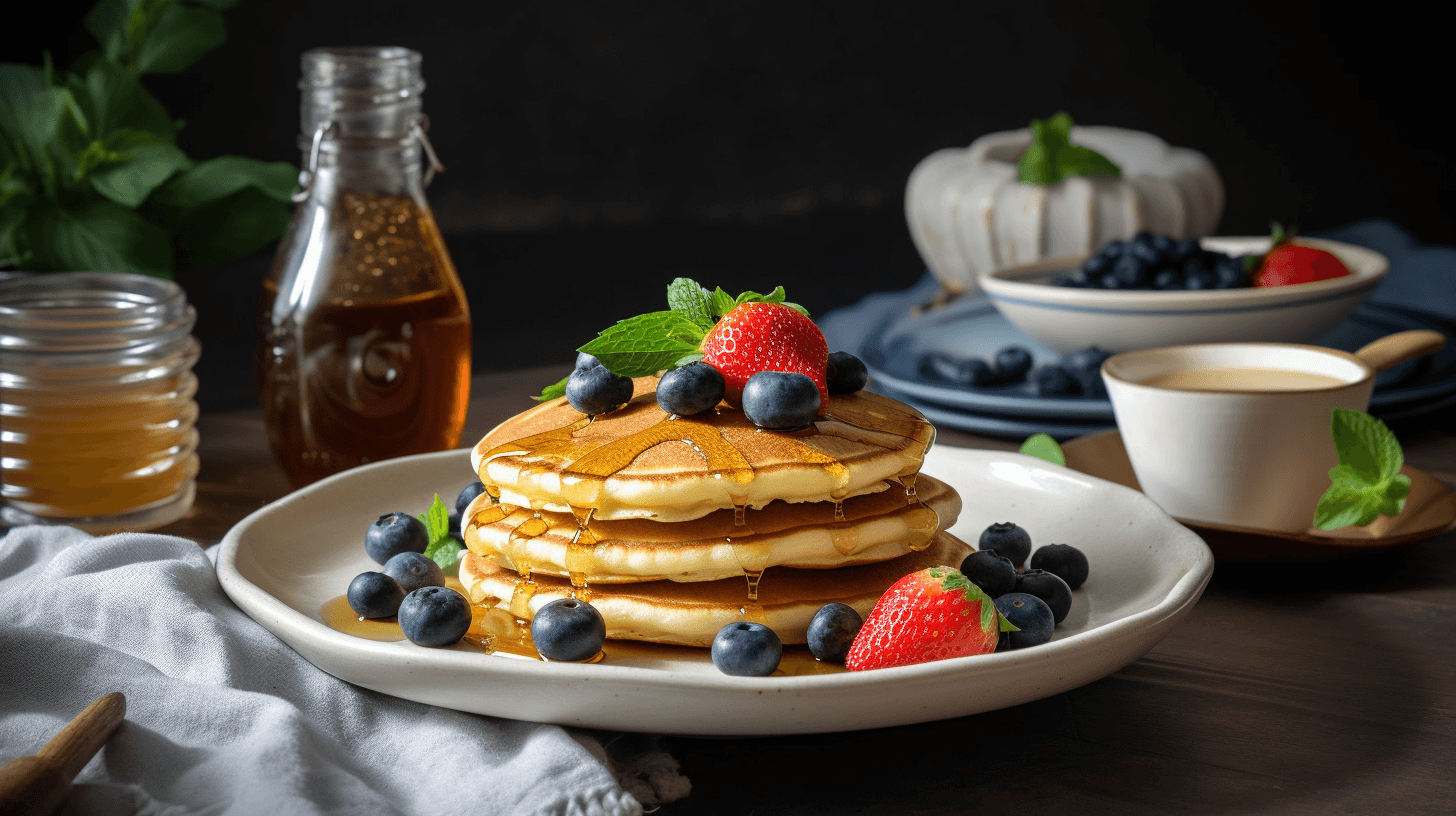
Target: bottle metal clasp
(417, 130)
(305, 176)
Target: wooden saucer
(1430, 510)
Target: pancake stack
(673, 527)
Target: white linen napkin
(223, 718)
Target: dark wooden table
(1300, 688)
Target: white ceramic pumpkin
(969, 215)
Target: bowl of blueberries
(1153, 290)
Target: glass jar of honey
(364, 332)
(97, 416)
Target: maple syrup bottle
(364, 332)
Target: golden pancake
(861, 529)
(690, 614)
(638, 462)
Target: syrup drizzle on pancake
(585, 464)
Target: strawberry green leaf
(437, 520)
(953, 580)
(1044, 447)
(646, 344)
(686, 296)
(553, 391)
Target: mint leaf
(94, 234)
(181, 35)
(1051, 157)
(1367, 483)
(553, 391)
(723, 302)
(437, 520)
(446, 552)
(686, 296)
(1044, 447)
(134, 164)
(644, 345)
(1365, 444)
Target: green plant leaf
(114, 99)
(110, 22)
(436, 519)
(686, 296)
(1042, 446)
(94, 235)
(723, 302)
(136, 163)
(181, 36)
(219, 178)
(1367, 483)
(30, 116)
(646, 344)
(553, 391)
(232, 227)
(1341, 506)
(954, 580)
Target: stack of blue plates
(892, 331)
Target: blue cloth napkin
(223, 718)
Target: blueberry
(780, 401)
(413, 571)
(832, 630)
(1185, 249)
(1008, 539)
(1028, 613)
(1049, 588)
(1085, 366)
(434, 616)
(1051, 381)
(962, 372)
(1229, 273)
(374, 595)
(1167, 279)
(467, 495)
(747, 650)
(846, 373)
(1143, 248)
(1130, 271)
(1013, 363)
(1064, 561)
(568, 629)
(1065, 280)
(991, 571)
(454, 519)
(1110, 281)
(691, 389)
(596, 390)
(585, 361)
(1095, 267)
(1163, 244)
(1113, 250)
(1196, 274)
(394, 533)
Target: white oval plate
(284, 562)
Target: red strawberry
(1288, 263)
(756, 337)
(933, 614)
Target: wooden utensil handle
(1401, 346)
(38, 784)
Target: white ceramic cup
(1233, 456)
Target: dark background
(597, 150)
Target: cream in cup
(1235, 434)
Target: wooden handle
(38, 784)
(1399, 347)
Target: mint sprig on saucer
(1367, 483)
(1052, 157)
(648, 343)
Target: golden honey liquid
(103, 452)
(369, 359)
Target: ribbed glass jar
(97, 416)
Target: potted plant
(91, 177)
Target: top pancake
(637, 462)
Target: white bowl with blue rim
(1066, 319)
